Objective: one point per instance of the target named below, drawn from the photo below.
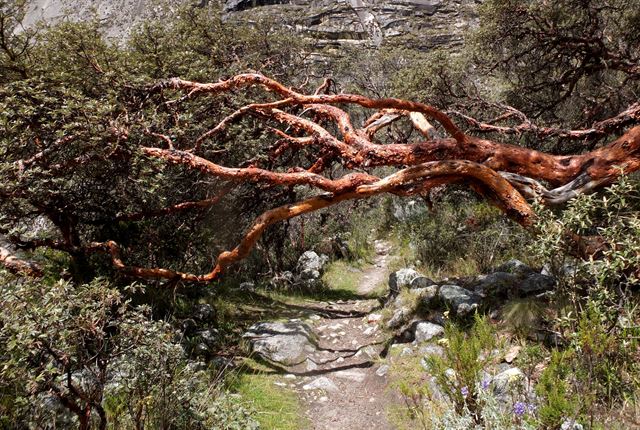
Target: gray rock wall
(417, 24)
(117, 16)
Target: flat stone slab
(287, 343)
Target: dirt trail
(344, 387)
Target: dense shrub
(596, 302)
(82, 354)
(461, 236)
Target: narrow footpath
(344, 386)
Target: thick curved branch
(17, 265)
(386, 117)
(598, 130)
(460, 158)
(500, 190)
(531, 188)
(601, 165)
(256, 175)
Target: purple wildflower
(519, 409)
(464, 391)
(485, 383)
(532, 408)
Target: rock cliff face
(419, 24)
(117, 16)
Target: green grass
(276, 408)
(340, 276)
(342, 280)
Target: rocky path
(330, 353)
(355, 397)
(333, 357)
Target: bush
(461, 236)
(467, 354)
(83, 355)
(457, 393)
(596, 370)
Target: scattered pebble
(382, 370)
(370, 330)
(322, 383)
(373, 318)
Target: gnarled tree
(505, 174)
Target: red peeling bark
(500, 171)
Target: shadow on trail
(282, 309)
(277, 369)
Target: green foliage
(467, 354)
(75, 109)
(596, 302)
(523, 316)
(461, 237)
(558, 402)
(565, 61)
(454, 393)
(84, 354)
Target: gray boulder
(571, 424)
(537, 283)
(401, 278)
(282, 280)
(287, 343)
(508, 382)
(321, 383)
(203, 312)
(310, 265)
(425, 331)
(513, 278)
(400, 316)
(461, 301)
(427, 294)
(496, 283)
(421, 282)
(515, 267)
(209, 336)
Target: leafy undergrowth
(460, 237)
(553, 387)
